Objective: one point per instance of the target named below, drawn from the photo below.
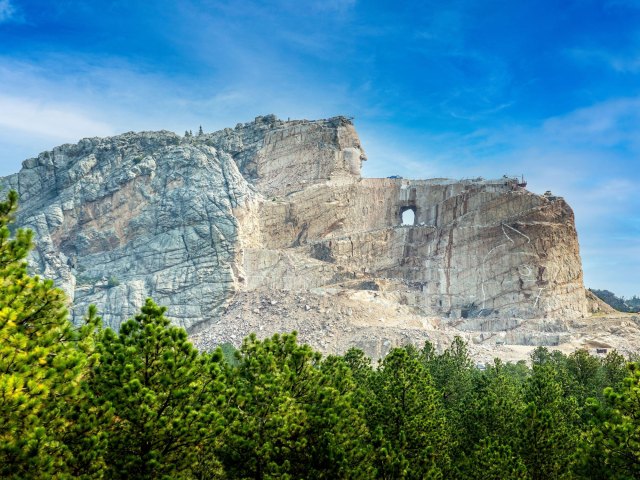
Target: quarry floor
(332, 321)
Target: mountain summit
(276, 208)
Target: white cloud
(58, 121)
(63, 98)
(7, 11)
(589, 156)
(585, 155)
(616, 61)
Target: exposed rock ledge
(207, 225)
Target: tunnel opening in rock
(408, 216)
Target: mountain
(274, 216)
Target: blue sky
(550, 89)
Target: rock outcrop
(280, 206)
(138, 215)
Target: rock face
(198, 223)
(123, 218)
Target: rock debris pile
(270, 227)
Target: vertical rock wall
(280, 205)
(476, 248)
(120, 219)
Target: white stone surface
(199, 223)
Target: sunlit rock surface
(198, 223)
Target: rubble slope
(212, 225)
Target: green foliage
(113, 282)
(82, 402)
(42, 363)
(164, 397)
(614, 368)
(548, 434)
(611, 448)
(407, 419)
(359, 364)
(452, 373)
(619, 303)
(633, 303)
(291, 416)
(495, 409)
(493, 460)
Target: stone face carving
(476, 249)
(280, 206)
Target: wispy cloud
(63, 98)
(57, 121)
(586, 155)
(7, 11)
(616, 61)
(614, 122)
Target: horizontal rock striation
(475, 249)
(280, 206)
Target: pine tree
(290, 416)
(164, 395)
(338, 434)
(86, 438)
(489, 435)
(495, 411)
(548, 434)
(493, 460)
(359, 364)
(43, 360)
(611, 449)
(452, 374)
(407, 420)
(587, 376)
(615, 370)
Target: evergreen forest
(629, 305)
(83, 401)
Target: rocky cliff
(279, 208)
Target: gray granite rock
(280, 206)
(137, 215)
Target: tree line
(629, 305)
(142, 403)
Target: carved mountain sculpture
(199, 223)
